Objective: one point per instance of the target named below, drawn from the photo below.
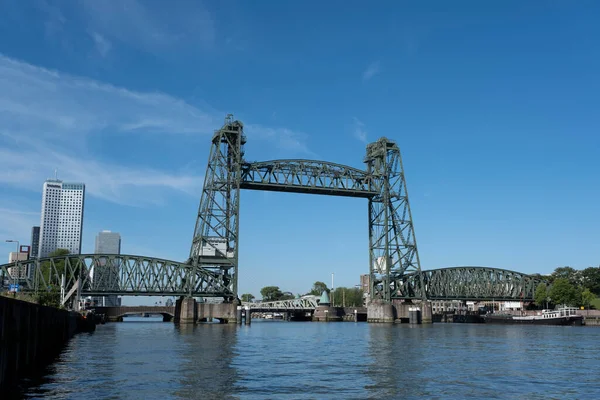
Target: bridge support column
(380, 311)
(426, 313)
(238, 314)
(185, 311)
(248, 316)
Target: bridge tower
(215, 242)
(392, 244)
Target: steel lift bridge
(211, 269)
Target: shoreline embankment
(31, 337)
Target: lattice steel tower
(392, 246)
(215, 242)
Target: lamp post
(332, 291)
(15, 275)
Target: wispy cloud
(373, 69)
(359, 131)
(53, 104)
(284, 138)
(47, 120)
(102, 45)
(151, 29)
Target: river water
(140, 359)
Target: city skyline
(496, 126)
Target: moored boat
(561, 316)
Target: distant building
(108, 242)
(107, 276)
(35, 241)
(21, 271)
(62, 217)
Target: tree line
(342, 296)
(569, 286)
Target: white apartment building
(62, 217)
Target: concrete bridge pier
(426, 313)
(381, 311)
(248, 316)
(186, 311)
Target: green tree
(52, 275)
(247, 297)
(271, 293)
(348, 297)
(287, 296)
(587, 297)
(568, 273)
(49, 298)
(541, 295)
(590, 279)
(563, 292)
(318, 288)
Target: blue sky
(494, 106)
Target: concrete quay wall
(188, 311)
(31, 336)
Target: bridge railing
(294, 304)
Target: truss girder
(110, 274)
(307, 304)
(467, 283)
(307, 176)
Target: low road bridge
(117, 313)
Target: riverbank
(31, 337)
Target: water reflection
(205, 370)
(135, 360)
(397, 360)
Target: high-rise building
(107, 276)
(35, 241)
(62, 217)
(108, 242)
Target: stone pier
(380, 311)
(189, 311)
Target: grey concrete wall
(31, 336)
(226, 312)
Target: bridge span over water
(211, 270)
(129, 275)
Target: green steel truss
(307, 176)
(106, 274)
(392, 244)
(212, 266)
(215, 242)
(466, 283)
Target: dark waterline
(304, 360)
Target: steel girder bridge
(110, 274)
(392, 243)
(469, 283)
(306, 304)
(211, 269)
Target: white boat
(561, 316)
